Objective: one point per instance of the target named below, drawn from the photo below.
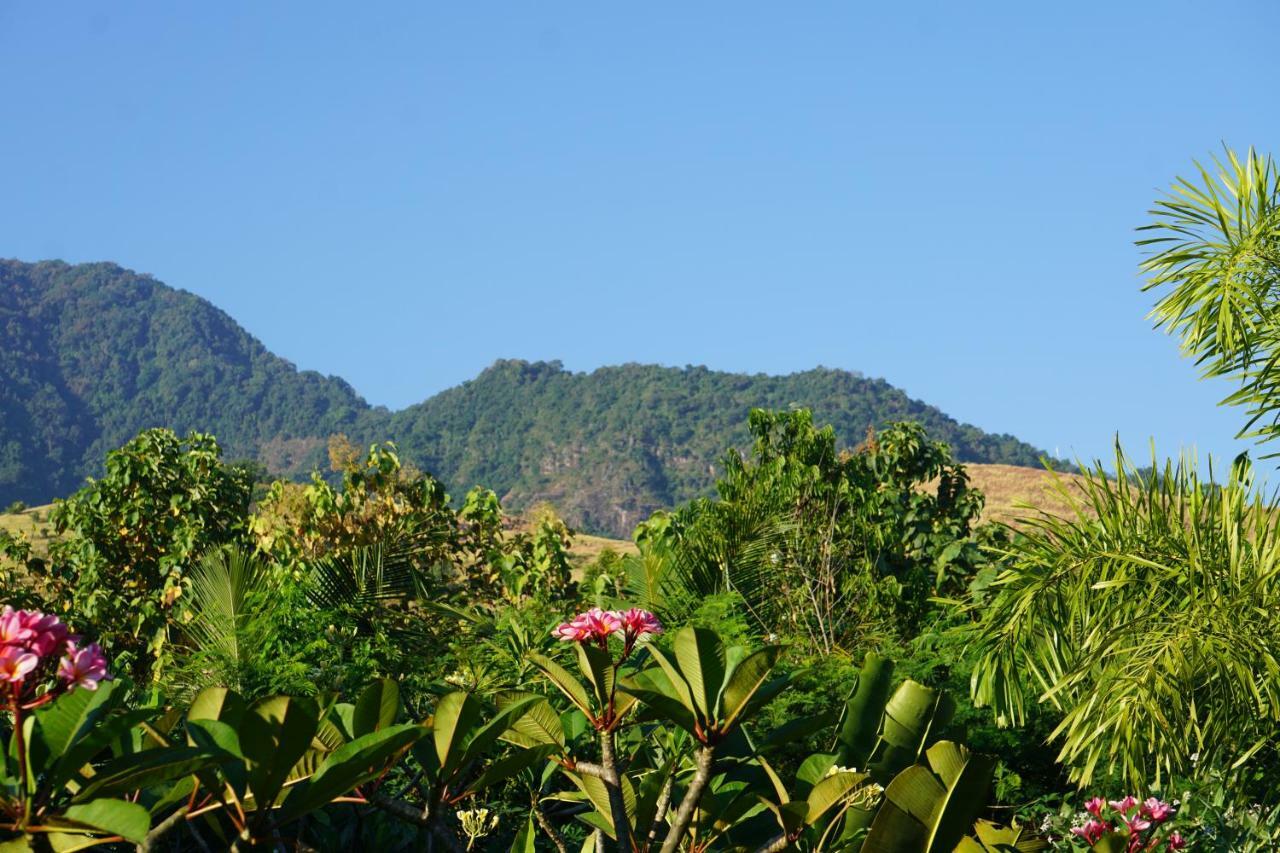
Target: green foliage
(1215, 259)
(378, 500)
(1148, 621)
(837, 550)
(129, 539)
(929, 807)
(234, 635)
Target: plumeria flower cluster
(1139, 821)
(597, 626)
(35, 647)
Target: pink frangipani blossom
(1094, 806)
(597, 625)
(83, 667)
(638, 624)
(1137, 824)
(16, 663)
(1125, 804)
(1156, 809)
(1092, 831)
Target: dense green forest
(91, 354)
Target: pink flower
(638, 624)
(1094, 806)
(83, 667)
(1137, 824)
(1091, 831)
(576, 630)
(595, 624)
(16, 663)
(48, 633)
(32, 630)
(1176, 841)
(1156, 809)
(1124, 805)
(13, 627)
(604, 622)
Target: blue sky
(941, 194)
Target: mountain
(92, 353)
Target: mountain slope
(610, 446)
(90, 354)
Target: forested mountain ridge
(92, 353)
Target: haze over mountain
(92, 353)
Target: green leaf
(597, 665)
(456, 715)
(89, 744)
(349, 766)
(524, 840)
(139, 771)
(745, 680)
(700, 655)
(913, 717)
(537, 725)
(112, 817)
(929, 808)
(507, 768)
(217, 703)
(829, 792)
(567, 684)
(654, 689)
(376, 708)
(864, 710)
(274, 734)
(64, 720)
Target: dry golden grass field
(1010, 490)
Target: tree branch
(613, 785)
(684, 815)
(163, 828)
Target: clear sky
(942, 194)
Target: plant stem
(20, 742)
(660, 808)
(613, 785)
(775, 844)
(540, 816)
(684, 815)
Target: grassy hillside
(92, 354)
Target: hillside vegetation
(91, 354)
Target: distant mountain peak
(92, 353)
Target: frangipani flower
(638, 624)
(1094, 806)
(1124, 805)
(16, 663)
(595, 624)
(598, 625)
(1137, 824)
(1092, 831)
(83, 667)
(1156, 809)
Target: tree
(1215, 260)
(128, 540)
(1149, 620)
(834, 548)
